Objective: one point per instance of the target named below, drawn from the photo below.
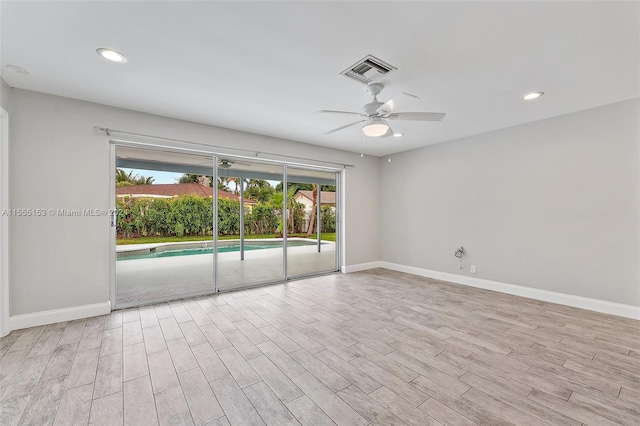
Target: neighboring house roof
(170, 190)
(326, 197)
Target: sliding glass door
(164, 225)
(250, 243)
(191, 223)
(312, 222)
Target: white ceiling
(268, 67)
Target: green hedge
(328, 223)
(191, 215)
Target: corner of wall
(5, 95)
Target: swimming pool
(196, 248)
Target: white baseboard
(361, 267)
(35, 319)
(17, 322)
(603, 306)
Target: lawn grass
(329, 236)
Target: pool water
(209, 250)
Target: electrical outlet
(473, 269)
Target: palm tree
(123, 178)
(259, 190)
(222, 184)
(257, 184)
(277, 203)
(236, 183)
(188, 178)
(194, 178)
(312, 218)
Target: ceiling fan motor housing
(374, 89)
(371, 108)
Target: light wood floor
(375, 347)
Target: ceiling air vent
(368, 69)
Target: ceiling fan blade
(397, 102)
(417, 116)
(344, 127)
(341, 112)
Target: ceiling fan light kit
(375, 127)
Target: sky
(168, 177)
(160, 177)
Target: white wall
(5, 95)
(552, 205)
(58, 162)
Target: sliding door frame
(338, 265)
(285, 218)
(184, 148)
(112, 229)
(5, 294)
(214, 218)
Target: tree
(188, 178)
(305, 186)
(277, 202)
(222, 185)
(328, 219)
(124, 179)
(312, 218)
(236, 182)
(298, 186)
(193, 178)
(259, 190)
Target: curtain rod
(109, 131)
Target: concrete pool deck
(248, 241)
(143, 280)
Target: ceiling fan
(224, 163)
(375, 114)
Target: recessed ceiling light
(111, 55)
(532, 95)
(398, 135)
(18, 69)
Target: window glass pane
(312, 221)
(249, 223)
(164, 227)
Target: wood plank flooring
(375, 347)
